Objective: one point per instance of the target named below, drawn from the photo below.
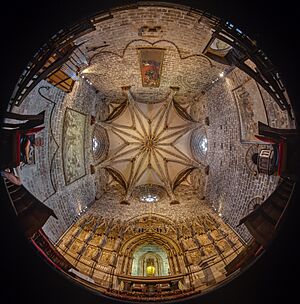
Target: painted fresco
(151, 64)
(73, 145)
(251, 109)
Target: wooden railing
(57, 51)
(31, 213)
(265, 73)
(263, 221)
(42, 243)
(51, 56)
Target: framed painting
(73, 151)
(251, 110)
(151, 60)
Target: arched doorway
(150, 260)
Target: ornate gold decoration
(150, 270)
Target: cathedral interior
(150, 152)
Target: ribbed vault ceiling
(149, 144)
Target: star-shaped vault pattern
(149, 144)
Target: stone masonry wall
(45, 178)
(114, 63)
(231, 185)
(114, 57)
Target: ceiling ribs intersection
(149, 144)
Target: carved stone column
(176, 263)
(125, 264)
(120, 263)
(172, 268)
(129, 267)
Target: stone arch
(171, 247)
(147, 252)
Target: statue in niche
(113, 260)
(75, 246)
(223, 245)
(191, 243)
(186, 244)
(66, 239)
(105, 258)
(196, 258)
(199, 239)
(117, 244)
(90, 252)
(198, 228)
(204, 240)
(233, 238)
(215, 234)
(110, 243)
(209, 250)
(189, 258)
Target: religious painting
(251, 110)
(73, 145)
(151, 60)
